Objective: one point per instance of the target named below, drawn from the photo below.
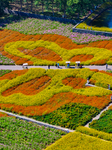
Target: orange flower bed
(99, 62)
(76, 83)
(102, 71)
(7, 36)
(29, 88)
(110, 107)
(13, 74)
(101, 44)
(13, 36)
(81, 58)
(42, 53)
(3, 115)
(92, 81)
(57, 101)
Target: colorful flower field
(19, 134)
(104, 123)
(79, 141)
(39, 26)
(47, 49)
(45, 94)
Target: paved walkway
(37, 122)
(98, 116)
(19, 67)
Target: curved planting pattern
(46, 49)
(45, 94)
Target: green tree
(42, 2)
(3, 5)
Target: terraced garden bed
(46, 94)
(18, 134)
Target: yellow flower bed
(98, 53)
(102, 79)
(95, 133)
(79, 141)
(56, 86)
(83, 25)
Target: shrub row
(95, 133)
(79, 141)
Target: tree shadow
(10, 18)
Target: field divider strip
(37, 122)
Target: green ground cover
(70, 115)
(17, 134)
(104, 123)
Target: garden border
(61, 20)
(37, 122)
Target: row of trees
(68, 7)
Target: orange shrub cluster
(42, 53)
(13, 74)
(57, 101)
(76, 83)
(81, 58)
(31, 87)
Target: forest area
(72, 9)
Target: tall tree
(3, 5)
(42, 4)
(63, 4)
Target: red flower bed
(76, 83)
(13, 74)
(81, 58)
(31, 87)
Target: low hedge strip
(79, 141)
(95, 133)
